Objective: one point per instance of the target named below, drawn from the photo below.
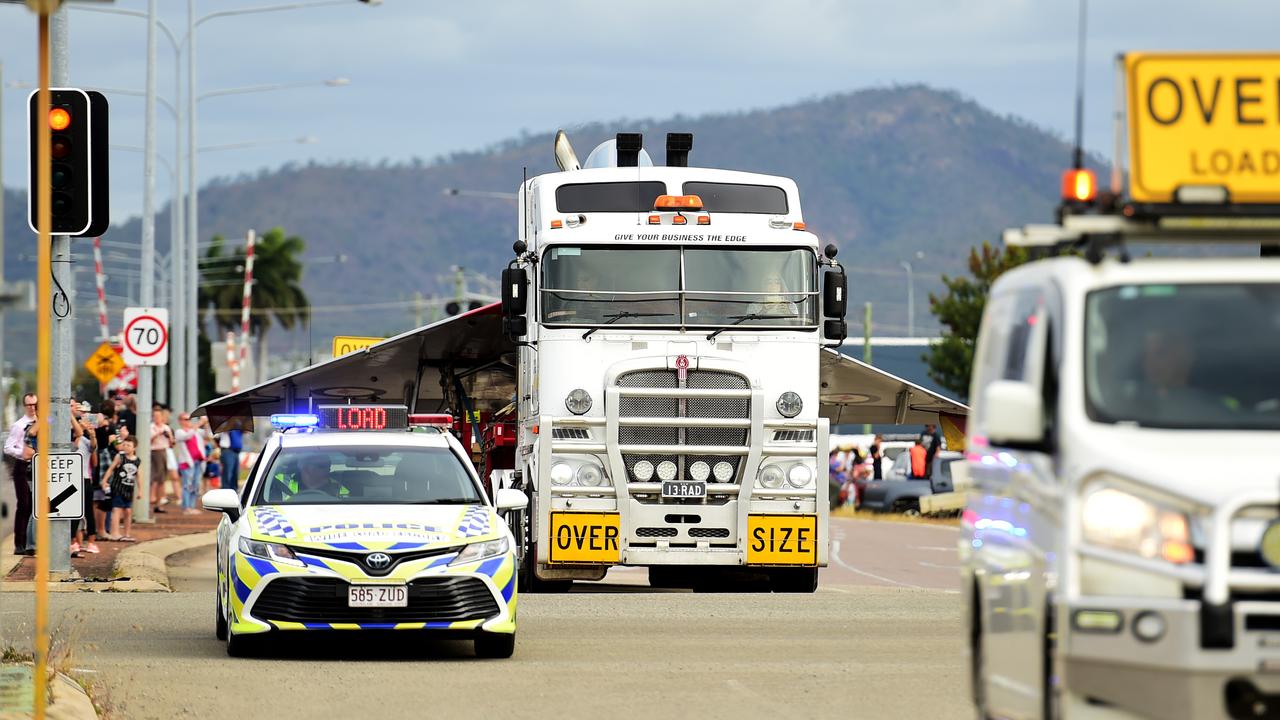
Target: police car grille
(324, 600)
(724, 408)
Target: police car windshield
(674, 286)
(1185, 356)
(364, 475)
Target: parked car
(899, 492)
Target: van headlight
(1122, 521)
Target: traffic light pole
(44, 375)
(147, 373)
(62, 311)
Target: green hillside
(884, 173)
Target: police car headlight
(578, 402)
(1122, 521)
(799, 475)
(789, 404)
(269, 551)
(482, 551)
(561, 474)
(590, 475)
(771, 476)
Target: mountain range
(890, 175)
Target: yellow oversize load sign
(345, 344)
(1204, 119)
(579, 537)
(782, 540)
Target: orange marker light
(679, 220)
(1079, 185)
(655, 219)
(798, 225)
(704, 219)
(59, 119)
(556, 224)
(677, 202)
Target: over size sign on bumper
(585, 538)
(782, 540)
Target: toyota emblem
(378, 561)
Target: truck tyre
(794, 580)
(531, 583)
(668, 577)
(495, 645)
(1051, 690)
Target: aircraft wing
(854, 392)
(467, 350)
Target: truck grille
(324, 600)
(714, 408)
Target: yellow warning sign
(104, 363)
(345, 344)
(1203, 119)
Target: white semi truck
(670, 321)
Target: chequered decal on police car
(475, 522)
(271, 523)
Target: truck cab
(670, 322)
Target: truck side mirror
(834, 292)
(515, 327)
(515, 290)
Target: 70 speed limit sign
(146, 336)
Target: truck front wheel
(794, 580)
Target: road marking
(831, 588)
(932, 548)
(940, 567)
(835, 546)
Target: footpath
(118, 566)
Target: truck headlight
(482, 551)
(269, 551)
(789, 404)
(1122, 521)
(771, 476)
(700, 471)
(723, 471)
(590, 475)
(561, 474)
(578, 402)
(667, 471)
(799, 475)
(642, 471)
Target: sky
(428, 78)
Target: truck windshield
(688, 287)
(1184, 356)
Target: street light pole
(146, 375)
(911, 301)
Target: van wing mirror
(1013, 413)
(515, 291)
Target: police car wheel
(794, 580)
(242, 646)
(220, 621)
(495, 645)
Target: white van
(1120, 545)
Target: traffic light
(78, 175)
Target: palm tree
(277, 289)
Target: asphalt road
(881, 638)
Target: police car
(364, 518)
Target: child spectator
(121, 479)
